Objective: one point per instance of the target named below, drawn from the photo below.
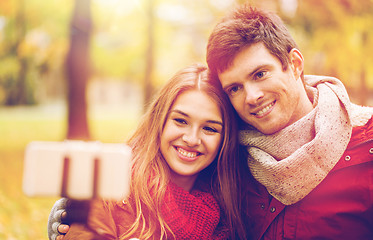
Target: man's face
(264, 95)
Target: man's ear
(296, 62)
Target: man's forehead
(246, 61)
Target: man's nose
(253, 94)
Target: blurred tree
(31, 51)
(336, 37)
(14, 80)
(145, 41)
(19, 93)
(78, 70)
(149, 65)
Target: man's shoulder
(359, 149)
(361, 115)
(362, 133)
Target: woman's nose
(191, 138)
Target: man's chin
(268, 130)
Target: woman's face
(192, 136)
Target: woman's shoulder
(121, 211)
(79, 231)
(107, 219)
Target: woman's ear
(296, 62)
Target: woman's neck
(185, 182)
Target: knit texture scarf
(293, 161)
(193, 215)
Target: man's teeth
(264, 110)
(187, 154)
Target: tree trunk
(18, 94)
(363, 93)
(78, 71)
(148, 86)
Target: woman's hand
(62, 228)
(57, 230)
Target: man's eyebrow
(260, 67)
(249, 75)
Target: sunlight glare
(289, 7)
(120, 7)
(173, 13)
(222, 4)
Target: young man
(310, 150)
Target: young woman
(177, 190)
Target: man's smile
(262, 112)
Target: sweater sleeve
(100, 224)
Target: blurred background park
(85, 69)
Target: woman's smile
(187, 155)
(192, 134)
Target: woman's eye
(179, 120)
(210, 129)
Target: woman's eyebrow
(180, 112)
(215, 122)
(186, 115)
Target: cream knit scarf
(293, 161)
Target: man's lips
(265, 110)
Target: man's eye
(233, 90)
(260, 74)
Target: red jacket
(192, 216)
(340, 207)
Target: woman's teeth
(186, 153)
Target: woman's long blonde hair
(150, 172)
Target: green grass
(22, 217)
